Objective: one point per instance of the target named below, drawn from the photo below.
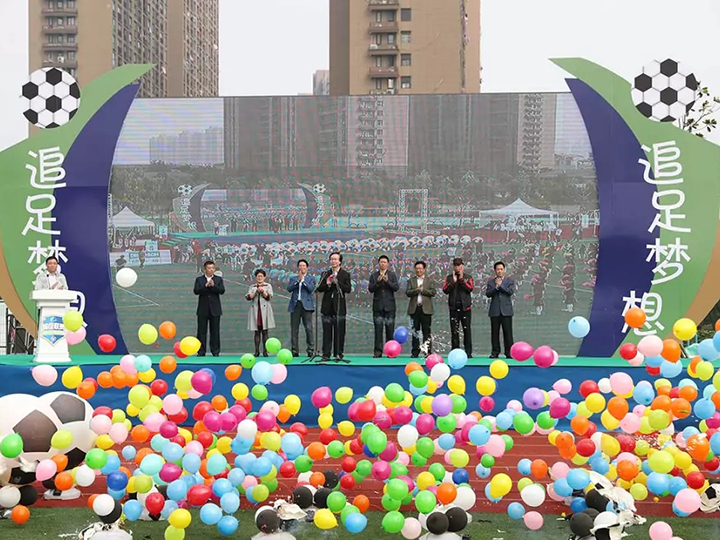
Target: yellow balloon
(639, 492)
(612, 473)
(641, 478)
(485, 385)
(343, 395)
(432, 386)
(660, 383)
(185, 434)
(270, 440)
(223, 443)
(684, 329)
(645, 428)
(609, 422)
(104, 442)
(147, 376)
(72, 377)
(426, 404)
(73, 320)
(523, 483)
(146, 411)
(327, 409)
(131, 485)
(183, 380)
(346, 428)
(325, 420)
(410, 450)
(118, 415)
(139, 396)
(595, 403)
(577, 459)
(408, 400)
(456, 384)
(131, 410)
(189, 345)
(500, 485)
(213, 452)
(325, 520)
(424, 480)
(180, 518)
(704, 370)
(348, 451)
(147, 334)
(240, 391)
(609, 445)
(582, 410)
(292, 402)
(552, 436)
(716, 380)
(499, 369)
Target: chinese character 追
(51, 170)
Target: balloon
(544, 356)
(649, 345)
(189, 345)
(684, 330)
(521, 351)
(45, 375)
(687, 500)
(126, 277)
(401, 334)
(411, 528)
(579, 327)
(635, 318)
(73, 320)
(533, 521)
(273, 345)
(661, 530)
(106, 343)
(147, 334)
(74, 338)
(322, 397)
(324, 519)
(72, 377)
(392, 349)
(167, 330)
(533, 495)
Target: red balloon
(628, 351)
(154, 503)
(287, 469)
(695, 480)
(180, 417)
(201, 409)
(159, 387)
(654, 371)
(356, 447)
(675, 393)
(198, 494)
(675, 472)
(366, 410)
(205, 438)
(106, 343)
(592, 429)
(347, 481)
(588, 387)
(327, 436)
(178, 439)
(177, 351)
(713, 464)
(105, 411)
(348, 464)
(222, 474)
(245, 404)
(627, 443)
(585, 447)
(299, 428)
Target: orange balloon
(233, 372)
(168, 364)
(119, 379)
(664, 390)
(199, 427)
(681, 408)
(692, 366)
(86, 390)
(91, 500)
(412, 366)
(131, 379)
(256, 442)
(219, 403)
(698, 447)
(125, 471)
(446, 493)
(635, 317)
(140, 434)
(362, 503)
(716, 399)
(671, 350)
(20, 514)
(203, 469)
(661, 402)
(116, 369)
(564, 440)
(316, 451)
(627, 470)
(717, 325)
(61, 461)
(283, 414)
(568, 452)
(689, 392)
(317, 479)
(64, 481)
(105, 379)
(141, 453)
(579, 424)
(539, 469)
(167, 330)
(618, 407)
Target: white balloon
(247, 429)
(103, 505)
(84, 476)
(440, 373)
(465, 498)
(126, 277)
(604, 385)
(304, 477)
(9, 496)
(407, 436)
(533, 495)
(411, 529)
(376, 393)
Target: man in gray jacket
(500, 290)
(51, 279)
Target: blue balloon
(210, 514)
(577, 505)
(716, 341)
(168, 508)
(249, 495)
(262, 372)
(658, 483)
(245, 462)
(132, 510)
(706, 350)
(227, 525)
(503, 421)
(129, 452)
(191, 463)
(446, 441)
(236, 476)
(418, 391)
(708, 391)
(116, 494)
(117, 481)
(677, 484)
(355, 523)
(562, 488)
(177, 490)
(230, 502)
(670, 370)
(679, 513)
(516, 510)
(704, 408)
(240, 446)
(158, 442)
(645, 467)
(143, 363)
(479, 434)
(578, 478)
(173, 452)
(579, 327)
(151, 464)
(460, 476)
(290, 442)
(654, 361)
(401, 334)
(524, 466)
(216, 464)
(482, 471)
(112, 464)
(221, 486)
(715, 443)
(600, 465)
(573, 411)
(457, 358)
(643, 393)
(262, 466)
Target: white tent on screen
(127, 219)
(519, 208)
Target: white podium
(51, 345)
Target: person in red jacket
(459, 286)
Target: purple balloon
(533, 398)
(521, 351)
(442, 405)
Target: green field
(165, 293)
(48, 523)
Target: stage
(360, 374)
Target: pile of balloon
(162, 456)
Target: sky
(272, 47)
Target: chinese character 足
(665, 218)
(40, 214)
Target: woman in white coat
(260, 314)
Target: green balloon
(303, 464)
(259, 392)
(523, 423)
(418, 379)
(418, 460)
(247, 361)
(336, 449)
(425, 501)
(393, 522)
(418, 403)
(397, 469)
(545, 421)
(272, 485)
(260, 492)
(437, 470)
(285, 356)
(408, 499)
(486, 423)
(364, 468)
(377, 442)
(397, 489)
(447, 424)
(487, 460)
(96, 459)
(509, 442)
(389, 504)
(143, 483)
(425, 446)
(459, 404)
(336, 501)
(394, 393)
(358, 478)
(11, 446)
(349, 509)
(273, 345)
(367, 430)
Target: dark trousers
(383, 320)
(495, 324)
(301, 314)
(421, 322)
(333, 335)
(214, 322)
(458, 318)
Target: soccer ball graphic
(52, 97)
(74, 414)
(665, 91)
(185, 190)
(319, 188)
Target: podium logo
(52, 329)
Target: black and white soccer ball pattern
(665, 91)
(52, 97)
(185, 190)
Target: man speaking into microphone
(335, 283)
(52, 279)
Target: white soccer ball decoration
(52, 97)
(185, 190)
(665, 91)
(319, 188)
(126, 277)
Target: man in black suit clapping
(383, 284)
(209, 287)
(500, 289)
(335, 284)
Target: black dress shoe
(200, 354)
(216, 354)
(469, 355)
(265, 353)
(414, 355)
(377, 355)
(325, 359)
(494, 356)
(295, 354)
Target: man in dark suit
(459, 286)
(383, 284)
(209, 287)
(500, 290)
(334, 284)
(301, 307)
(421, 290)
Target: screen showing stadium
(261, 182)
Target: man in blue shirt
(301, 307)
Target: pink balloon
(154, 421)
(382, 420)
(487, 404)
(660, 531)
(265, 420)
(553, 395)
(403, 458)
(402, 415)
(621, 383)
(201, 382)
(515, 405)
(424, 424)
(562, 386)
(380, 470)
(194, 394)
(170, 472)
(101, 424)
(687, 500)
(119, 433)
(627, 456)
(169, 429)
(228, 421)
(390, 452)
(630, 423)
(411, 529)
(172, 404)
(45, 375)
(650, 346)
(321, 397)
(495, 446)
(45, 470)
(543, 356)
(392, 349)
(556, 358)
(559, 408)
(77, 337)
(194, 447)
(249, 481)
(127, 364)
(433, 360)
(551, 493)
(521, 351)
(533, 521)
(446, 457)
(279, 373)
(559, 470)
(212, 421)
(238, 412)
(637, 361)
